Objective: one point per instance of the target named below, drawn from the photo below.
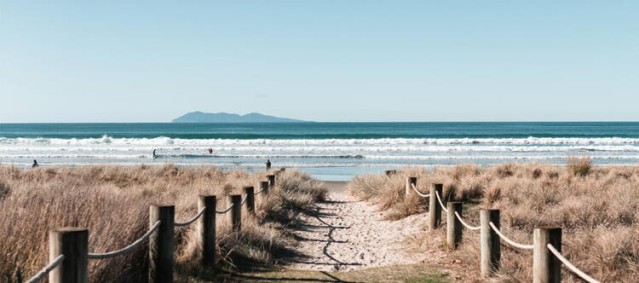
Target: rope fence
(225, 210)
(546, 241)
(45, 271)
(439, 199)
(509, 241)
(192, 220)
(128, 248)
(468, 226)
(570, 266)
(418, 192)
(68, 246)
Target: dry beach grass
(595, 206)
(113, 203)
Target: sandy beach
(348, 234)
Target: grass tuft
(579, 166)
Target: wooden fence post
(236, 212)
(271, 180)
(546, 267)
(73, 243)
(490, 248)
(434, 211)
(409, 181)
(454, 226)
(206, 229)
(250, 200)
(161, 244)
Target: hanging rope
(439, 199)
(45, 271)
(468, 226)
(571, 267)
(225, 211)
(418, 192)
(127, 248)
(192, 220)
(509, 241)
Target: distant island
(201, 117)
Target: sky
(323, 60)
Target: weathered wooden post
(489, 245)
(454, 226)
(271, 180)
(236, 212)
(250, 200)
(546, 267)
(73, 243)
(434, 211)
(161, 244)
(410, 181)
(206, 229)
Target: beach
(351, 234)
(349, 216)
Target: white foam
(332, 151)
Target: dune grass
(113, 203)
(597, 207)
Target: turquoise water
(329, 151)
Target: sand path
(348, 234)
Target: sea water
(328, 151)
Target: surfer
(268, 164)
(154, 155)
(35, 164)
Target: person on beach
(268, 164)
(35, 164)
(154, 155)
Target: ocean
(328, 151)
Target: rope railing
(225, 210)
(543, 270)
(70, 243)
(468, 226)
(570, 266)
(439, 199)
(259, 192)
(128, 248)
(418, 192)
(45, 271)
(509, 241)
(192, 220)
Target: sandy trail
(348, 234)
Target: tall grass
(113, 203)
(597, 207)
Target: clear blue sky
(323, 60)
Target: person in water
(210, 150)
(154, 155)
(268, 164)
(35, 164)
